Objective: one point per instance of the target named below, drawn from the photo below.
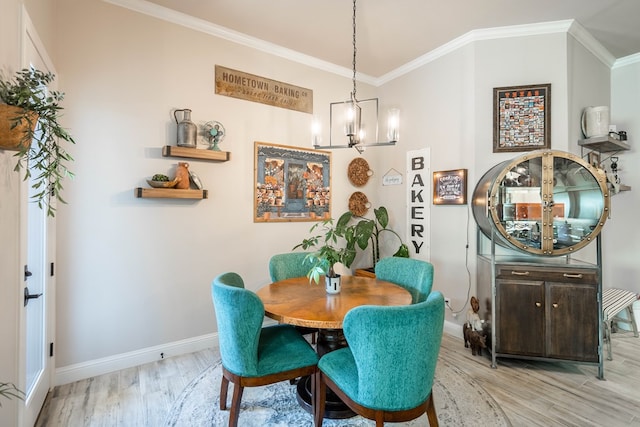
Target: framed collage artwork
(521, 118)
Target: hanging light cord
(353, 94)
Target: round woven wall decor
(359, 172)
(358, 204)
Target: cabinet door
(520, 317)
(572, 326)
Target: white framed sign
(418, 203)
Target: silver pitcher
(187, 130)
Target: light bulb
(393, 125)
(316, 129)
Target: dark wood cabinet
(549, 312)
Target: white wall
(622, 237)
(10, 283)
(438, 113)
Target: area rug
(459, 401)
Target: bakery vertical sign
(250, 87)
(418, 200)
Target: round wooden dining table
(297, 302)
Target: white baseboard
(81, 371)
(453, 329)
(92, 368)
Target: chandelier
(351, 119)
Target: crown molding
(591, 44)
(565, 26)
(627, 60)
(569, 26)
(196, 24)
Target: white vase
(332, 284)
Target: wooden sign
(250, 87)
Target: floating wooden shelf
(170, 193)
(195, 153)
(604, 144)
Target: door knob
(28, 296)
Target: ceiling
(391, 33)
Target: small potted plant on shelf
(369, 231)
(29, 116)
(335, 244)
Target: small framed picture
(594, 159)
(450, 187)
(521, 118)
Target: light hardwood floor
(530, 393)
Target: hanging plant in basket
(29, 116)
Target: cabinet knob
(572, 276)
(555, 305)
(538, 304)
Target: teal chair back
(395, 349)
(288, 265)
(412, 274)
(239, 313)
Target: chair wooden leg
(431, 412)
(319, 396)
(314, 403)
(379, 418)
(224, 387)
(235, 405)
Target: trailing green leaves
(44, 155)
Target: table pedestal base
(328, 340)
(334, 408)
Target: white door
(38, 251)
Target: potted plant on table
(29, 116)
(369, 231)
(334, 244)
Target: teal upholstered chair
(288, 265)
(412, 274)
(252, 355)
(387, 371)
